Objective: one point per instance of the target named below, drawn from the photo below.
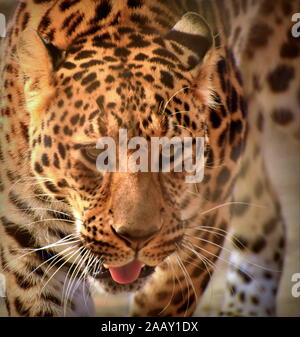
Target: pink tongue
(126, 274)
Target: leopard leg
(257, 251)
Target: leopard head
(120, 77)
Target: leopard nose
(136, 236)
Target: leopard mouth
(127, 274)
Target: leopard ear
(37, 69)
(193, 34)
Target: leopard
(73, 71)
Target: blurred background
(6, 6)
(288, 189)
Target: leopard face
(150, 85)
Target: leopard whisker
(188, 278)
(61, 266)
(220, 258)
(54, 257)
(21, 180)
(206, 261)
(170, 99)
(173, 289)
(72, 282)
(33, 250)
(70, 279)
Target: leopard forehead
(132, 81)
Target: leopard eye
(91, 154)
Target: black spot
(78, 76)
(92, 87)
(242, 296)
(74, 119)
(279, 79)
(23, 237)
(138, 41)
(162, 61)
(62, 183)
(78, 104)
(38, 168)
(61, 150)
(243, 106)
(56, 129)
(214, 118)
(260, 122)
(56, 161)
(139, 19)
(239, 242)
(122, 52)
(109, 79)
(68, 65)
(246, 278)
(186, 119)
(258, 36)
(159, 99)
(268, 275)
(25, 20)
(75, 24)
(125, 30)
(66, 4)
(89, 78)
(22, 281)
(259, 245)
(141, 57)
(282, 116)
(167, 79)
(47, 141)
(222, 138)
(51, 187)
(103, 41)
(236, 127)
(135, 3)
(68, 91)
(149, 78)
(165, 53)
(254, 300)
(223, 176)
(85, 54)
(290, 50)
(91, 63)
(45, 23)
(66, 81)
(232, 99)
(45, 160)
(205, 281)
(20, 308)
(102, 11)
